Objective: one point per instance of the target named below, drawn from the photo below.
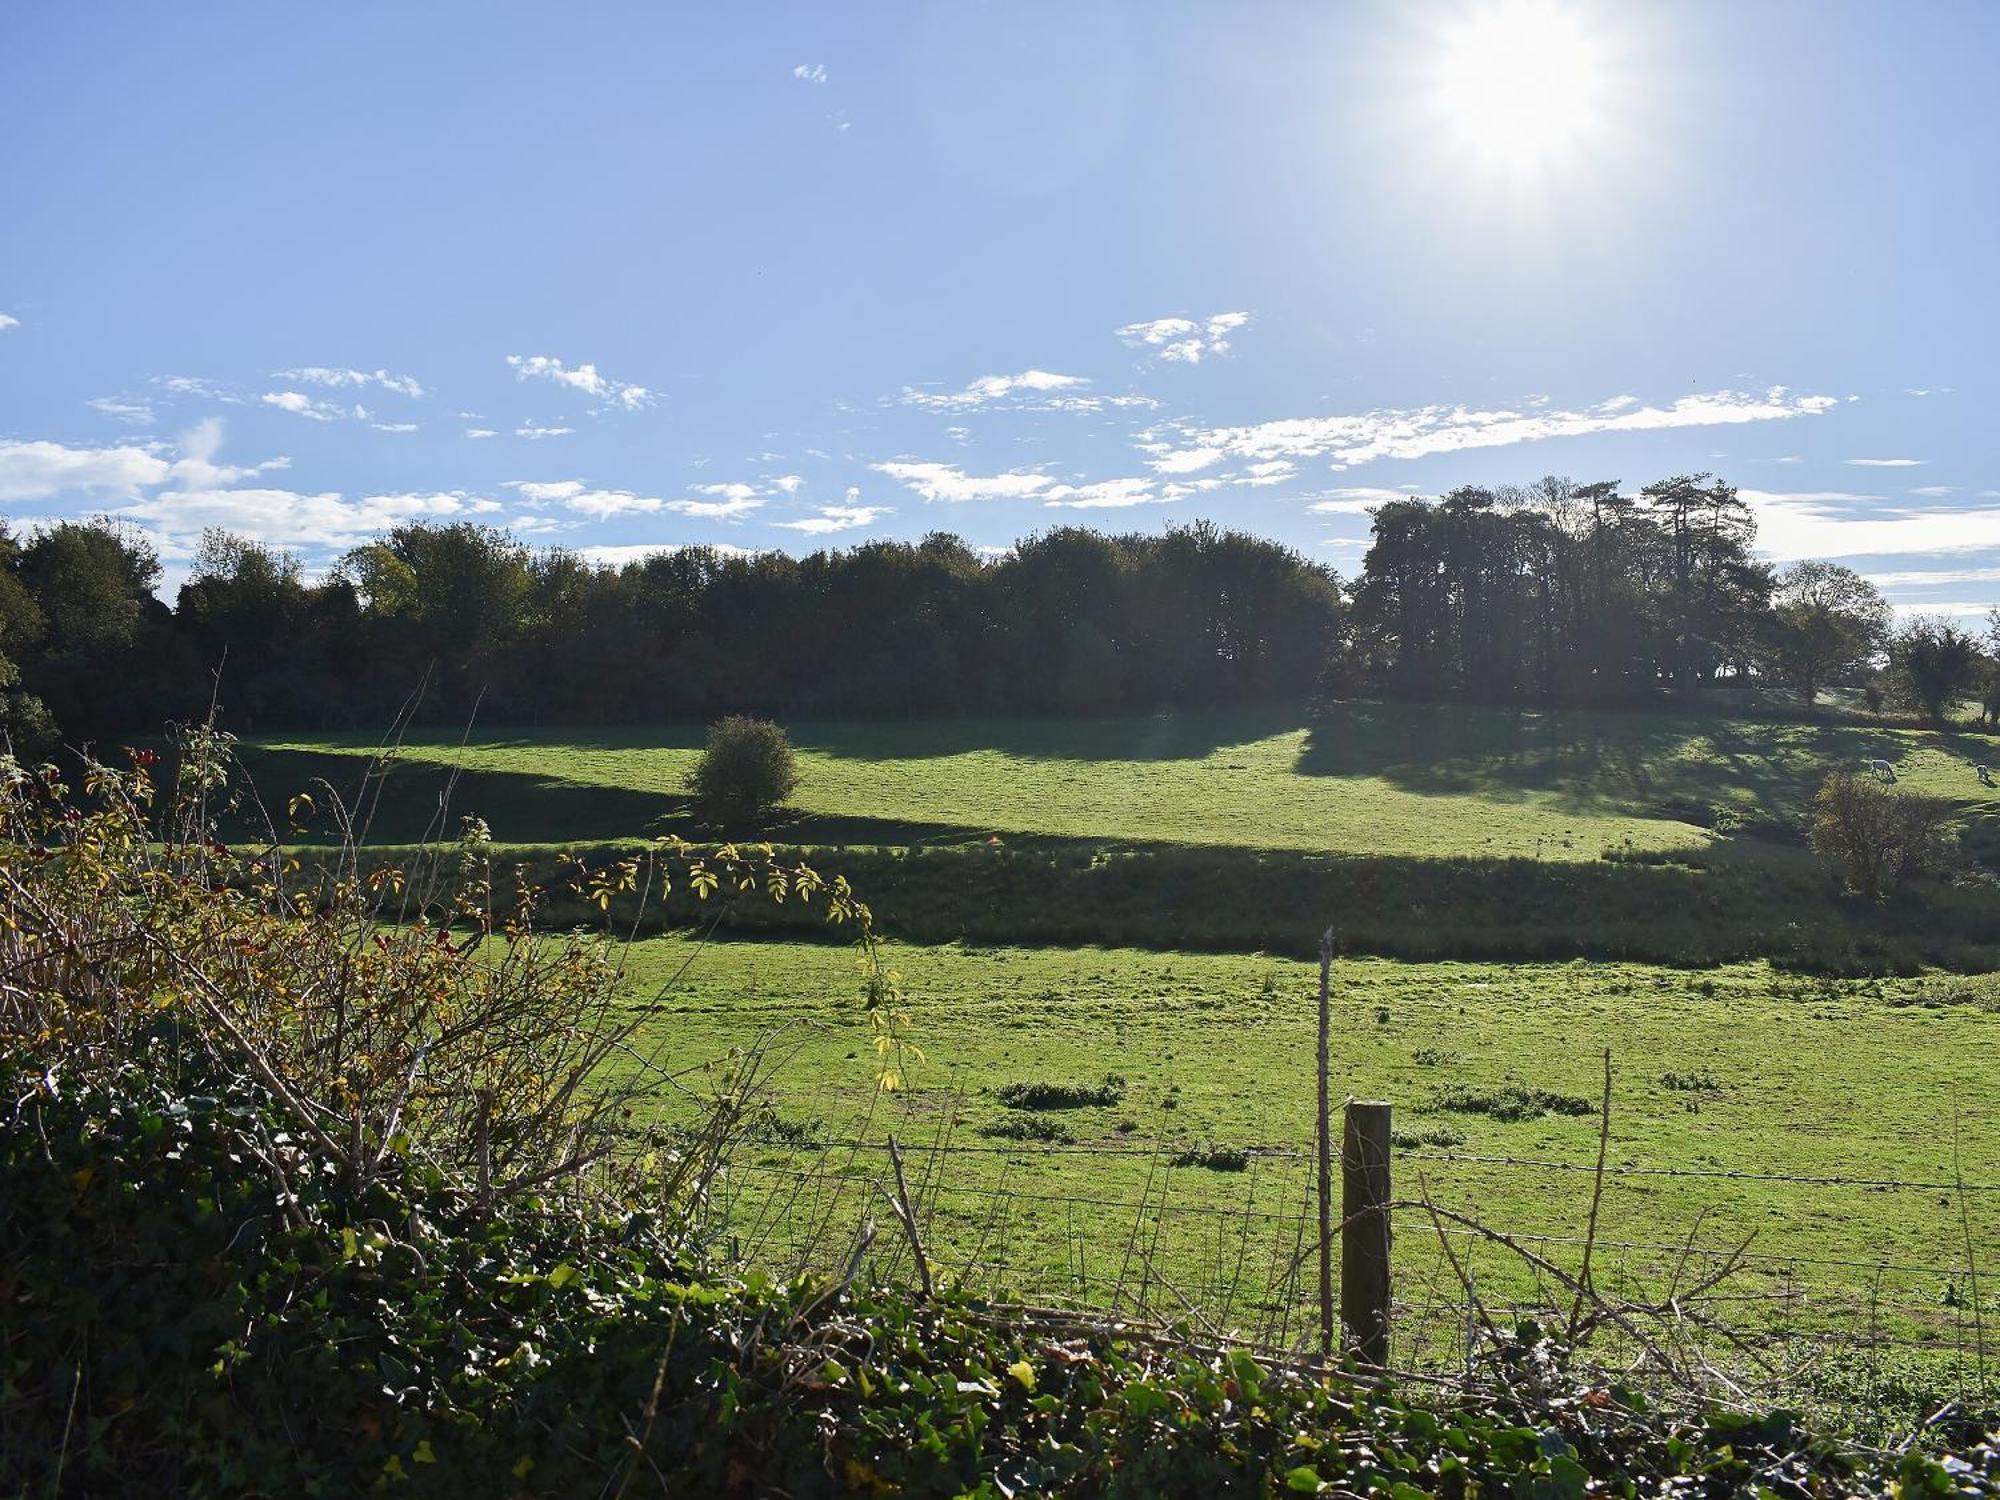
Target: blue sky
(629, 276)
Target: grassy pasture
(1386, 779)
(1423, 831)
(1736, 1070)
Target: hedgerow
(167, 1331)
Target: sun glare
(1521, 87)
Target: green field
(1739, 1070)
(1725, 1077)
(1396, 780)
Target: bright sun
(1521, 87)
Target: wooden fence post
(1325, 1151)
(1364, 1234)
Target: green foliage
(746, 771)
(1876, 840)
(1508, 1101)
(1044, 1095)
(1026, 1128)
(165, 1332)
(1932, 664)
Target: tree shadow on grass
(1637, 763)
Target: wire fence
(1224, 1246)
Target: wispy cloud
(198, 386)
(1422, 431)
(1836, 523)
(533, 432)
(583, 377)
(480, 432)
(299, 404)
(338, 379)
(828, 519)
(718, 502)
(810, 72)
(1354, 502)
(7, 321)
(134, 413)
(1185, 340)
(721, 502)
(988, 389)
(948, 483)
(1106, 494)
(1887, 463)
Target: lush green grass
(1772, 1074)
(1394, 779)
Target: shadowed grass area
(1381, 779)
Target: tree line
(1555, 593)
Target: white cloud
(532, 431)
(724, 502)
(1887, 463)
(810, 72)
(288, 519)
(951, 484)
(787, 483)
(1183, 340)
(197, 385)
(1419, 432)
(1835, 523)
(1928, 578)
(832, 518)
(1353, 502)
(7, 322)
(137, 413)
(1105, 494)
(402, 385)
(394, 426)
(575, 495)
(1935, 491)
(480, 432)
(301, 405)
(583, 377)
(42, 471)
(988, 389)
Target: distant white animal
(1985, 776)
(1883, 771)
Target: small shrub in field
(1042, 1095)
(747, 770)
(1693, 1081)
(1214, 1158)
(1026, 1128)
(1433, 1133)
(1433, 1057)
(1510, 1101)
(1875, 839)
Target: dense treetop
(1556, 593)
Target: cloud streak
(989, 389)
(1347, 441)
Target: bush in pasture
(1435, 1134)
(1040, 1095)
(1027, 1128)
(1694, 1080)
(1214, 1158)
(747, 771)
(1510, 1101)
(1874, 839)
